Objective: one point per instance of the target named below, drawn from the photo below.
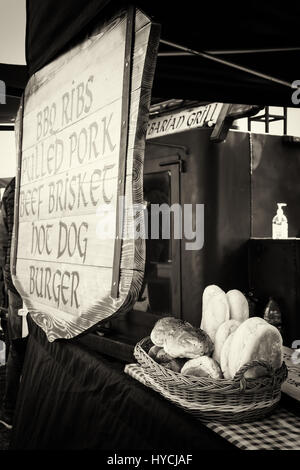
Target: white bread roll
(238, 305)
(215, 313)
(202, 367)
(224, 360)
(222, 334)
(208, 293)
(188, 342)
(162, 327)
(255, 339)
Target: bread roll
(187, 341)
(222, 334)
(162, 356)
(202, 367)
(255, 339)
(208, 293)
(215, 313)
(238, 305)
(153, 351)
(162, 327)
(175, 364)
(224, 360)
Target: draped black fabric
(198, 79)
(8, 209)
(52, 26)
(72, 398)
(4, 182)
(15, 78)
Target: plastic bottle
(280, 223)
(272, 314)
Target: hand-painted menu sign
(82, 131)
(201, 116)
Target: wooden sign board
(180, 121)
(81, 145)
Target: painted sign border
(132, 252)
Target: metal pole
(267, 119)
(284, 120)
(228, 64)
(232, 51)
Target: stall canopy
(260, 36)
(15, 77)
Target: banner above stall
(81, 147)
(198, 117)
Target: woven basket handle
(240, 375)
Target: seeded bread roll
(222, 334)
(255, 339)
(202, 367)
(188, 342)
(224, 361)
(216, 312)
(238, 305)
(162, 327)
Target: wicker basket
(232, 401)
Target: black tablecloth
(73, 398)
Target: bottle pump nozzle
(280, 205)
(280, 223)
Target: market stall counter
(74, 398)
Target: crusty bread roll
(153, 351)
(203, 366)
(175, 365)
(222, 334)
(215, 313)
(162, 356)
(159, 355)
(187, 341)
(224, 360)
(238, 305)
(162, 327)
(255, 339)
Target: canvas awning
(263, 36)
(15, 77)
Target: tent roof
(222, 30)
(15, 78)
(4, 182)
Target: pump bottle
(280, 223)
